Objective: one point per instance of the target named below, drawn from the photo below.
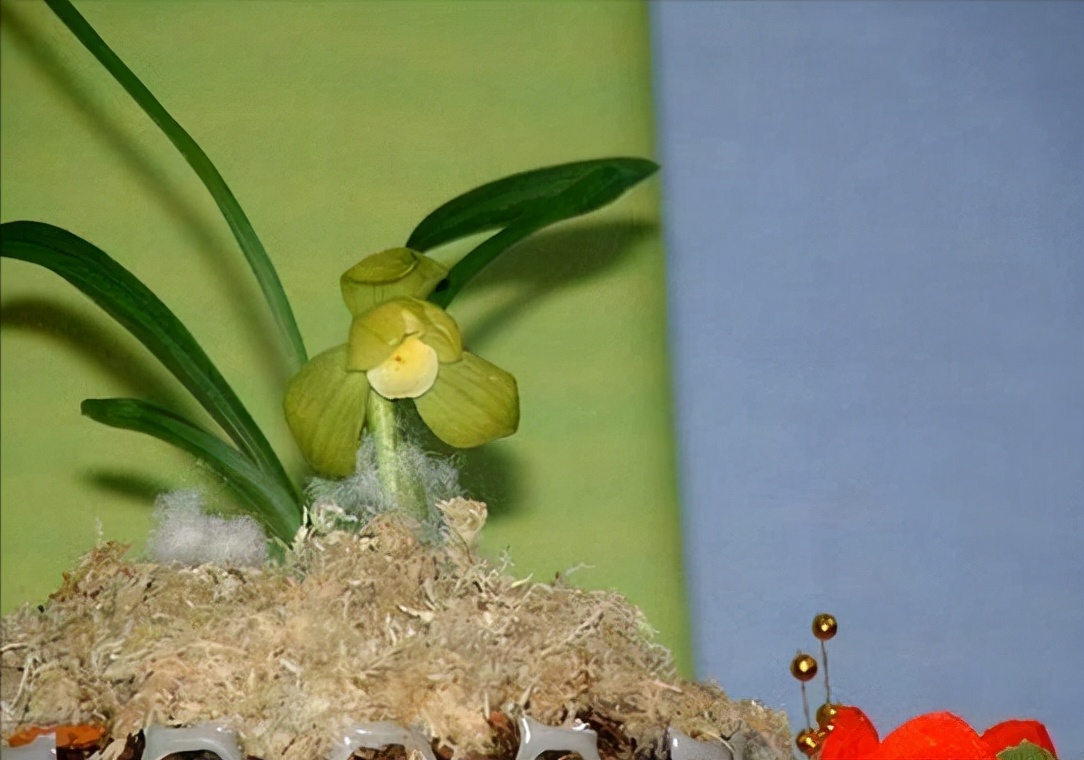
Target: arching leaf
(143, 314)
(264, 498)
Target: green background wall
(338, 126)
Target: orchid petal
(471, 403)
(325, 410)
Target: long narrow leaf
(593, 190)
(239, 224)
(134, 306)
(499, 203)
(264, 498)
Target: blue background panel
(876, 251)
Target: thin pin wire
(805, 703)
(805, 707)
(827, 687)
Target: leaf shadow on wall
(551, 261)
(127, 369)
(544, 264)
(225, 262)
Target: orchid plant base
(356, 627)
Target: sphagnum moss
(353, 627)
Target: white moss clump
(362, 496)
(186, 535)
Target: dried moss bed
(353, 627)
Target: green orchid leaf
(499, 203)
(472, 402)
(134, 306)
(262, 497)
(325, 409)
(389, 274)
(1025, 751)
(242, 229)
(593, 189)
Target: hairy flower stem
(399, 480)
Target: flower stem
(399, 480)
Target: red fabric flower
(1011, 732)
(853, 736)
(934, 736)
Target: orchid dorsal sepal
(387, 275)
(377, 333)
(325, 410)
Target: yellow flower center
(409, 372)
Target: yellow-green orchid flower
(401, 348)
